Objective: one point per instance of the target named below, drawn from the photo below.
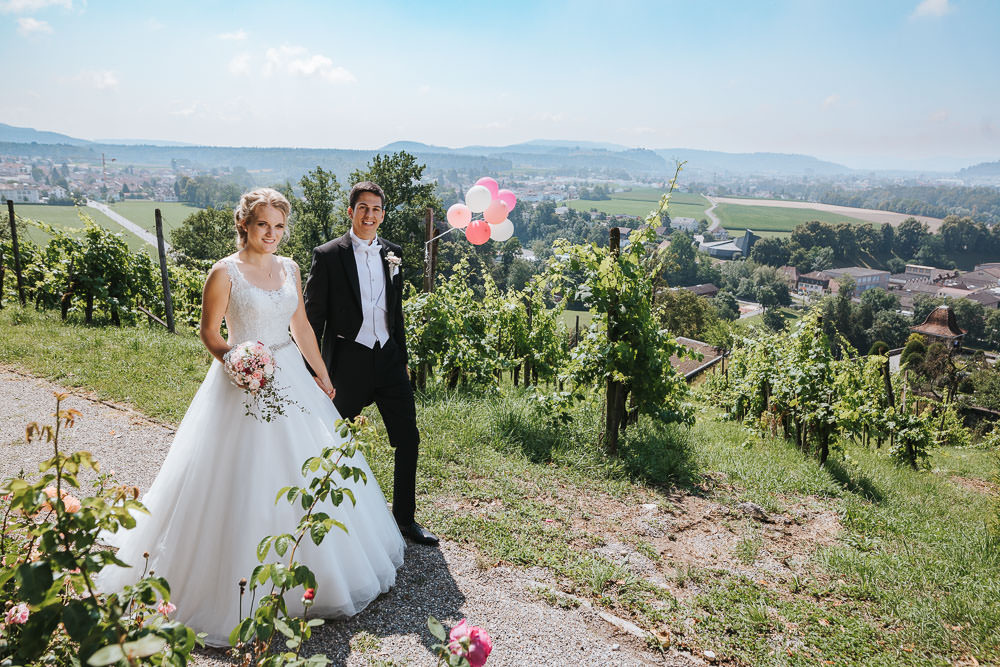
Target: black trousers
(362, 376)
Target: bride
(213, 499)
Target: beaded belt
(283, 344)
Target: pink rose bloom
(479, 642)
(265, 358)
(17, 615)
(70, 503)
(254, 385)
(257, 375)
(238, 365)
(166, 608)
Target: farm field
(141, 212)
(68, 218)
(641, 201)
(773, 221)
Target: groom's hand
(326, 386)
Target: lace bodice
(259, 314)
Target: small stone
(755, 511)
(615, 647)
(709, 655)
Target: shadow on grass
(653, 454)
(660, 455)
(854, 481)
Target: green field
(640, 201)
(68, 218)
(141, 212)
(777, 221)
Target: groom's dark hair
(365, 186)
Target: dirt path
(449, 582)
(866, 214)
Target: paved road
(127, 224)
(710, 212)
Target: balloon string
(426, 243)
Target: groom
(353, 299)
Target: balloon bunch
(495, 204)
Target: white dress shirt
(371, 279)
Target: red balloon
(478, 232)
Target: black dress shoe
(417, 533)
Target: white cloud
(295, 60)
(237, 36)
(240, 64)
(549, 117)
(18, 6)
(424, 89)
(153, 25)
(932, 8)
(27, 26)
(939, 116)
(831, 101)
(101, 80)
(187, 111)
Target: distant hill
(27, 135)
(557, 156)
(981, 169)
(757, 163)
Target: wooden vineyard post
(168, 303)
(17, 252)
(613, 414)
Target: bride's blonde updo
(243, 213)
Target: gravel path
(127, 224)
(450, 582)
(866, 214)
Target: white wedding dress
(213, 499)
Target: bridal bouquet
(251, 367)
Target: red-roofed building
(942, 326)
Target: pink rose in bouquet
(471, 642)
(251, 367)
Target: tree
(909, 234)
(207, 235)
(684, 313)
(890, 327)
(319, 216)
(771, 251)
(814, 234)
(726, 306)
(407, 198)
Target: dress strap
(235, 275)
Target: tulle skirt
(213, 501)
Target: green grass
(141, 212)
(155, 371)
(910, 579)
(641, 201)
(568, 318)
(736, 217)
(67, 218)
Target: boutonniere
(394, 262)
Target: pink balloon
(507, 197)
(490, 184)
(478, 232)
(496, 212)
(459, 215)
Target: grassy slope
(911, 578)
(68, 217)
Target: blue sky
(894, 83)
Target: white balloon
(478, 198)
(502, 231)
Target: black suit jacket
(333, 296)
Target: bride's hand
(326, 386)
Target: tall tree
(407, 198)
